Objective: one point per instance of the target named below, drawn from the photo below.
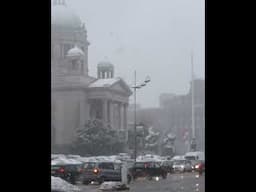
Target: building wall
(70, 111)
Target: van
(195, 156)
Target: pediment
(121, 86)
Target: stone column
(119, 116)
(111, 113)
(125, 121)
(105, 110)
(125, 116)
(122, 115)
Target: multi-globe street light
(135, 87)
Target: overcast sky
(153, 37)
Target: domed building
(77, 97)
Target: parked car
(182, 166)
(148, 169)
(102, 171)
(68, 172)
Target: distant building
(164, 98)
(75, 95)
(177, 111)
(174, 116)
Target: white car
(182, 166)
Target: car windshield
(191, 157)
(181, 162)
(90, 165)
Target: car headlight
(182, 166)
(197, 166)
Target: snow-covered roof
(64, 161)
(104, 82)
(58, 184)
(178, 157)
(149, 157)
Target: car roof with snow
(64, 161)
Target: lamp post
(135, 87)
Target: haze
(153, 37)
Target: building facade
(177, 110)
(75, 95)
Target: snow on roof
(178, 157)
(58, 184)
(194, 153)
(104, 82)
(63, 161)
(149, 157)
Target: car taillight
(96, 171)
(61, 170)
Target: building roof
(63, 16)
(105, 64)
(105, 82)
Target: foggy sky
(153, 37)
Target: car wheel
(86, 182)
(129, 178)
(101, 180)
(164, 176)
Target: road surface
(183, 182)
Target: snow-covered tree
(152, 140)
(168, 144)
(97, 138)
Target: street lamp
(135, 87)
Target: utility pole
(135, 126)
(193, 141)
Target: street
(187, 182)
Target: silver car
(182, 166)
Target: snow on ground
(112, 185)
(58, 184)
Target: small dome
(64, 17)
(75, 51)
(105, 64)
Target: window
(106, 166)
(89, 165)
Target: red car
(200, 167)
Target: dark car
(148, 169)
(68, 172)
(102, 171)
(167, 165)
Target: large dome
(64, 17)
